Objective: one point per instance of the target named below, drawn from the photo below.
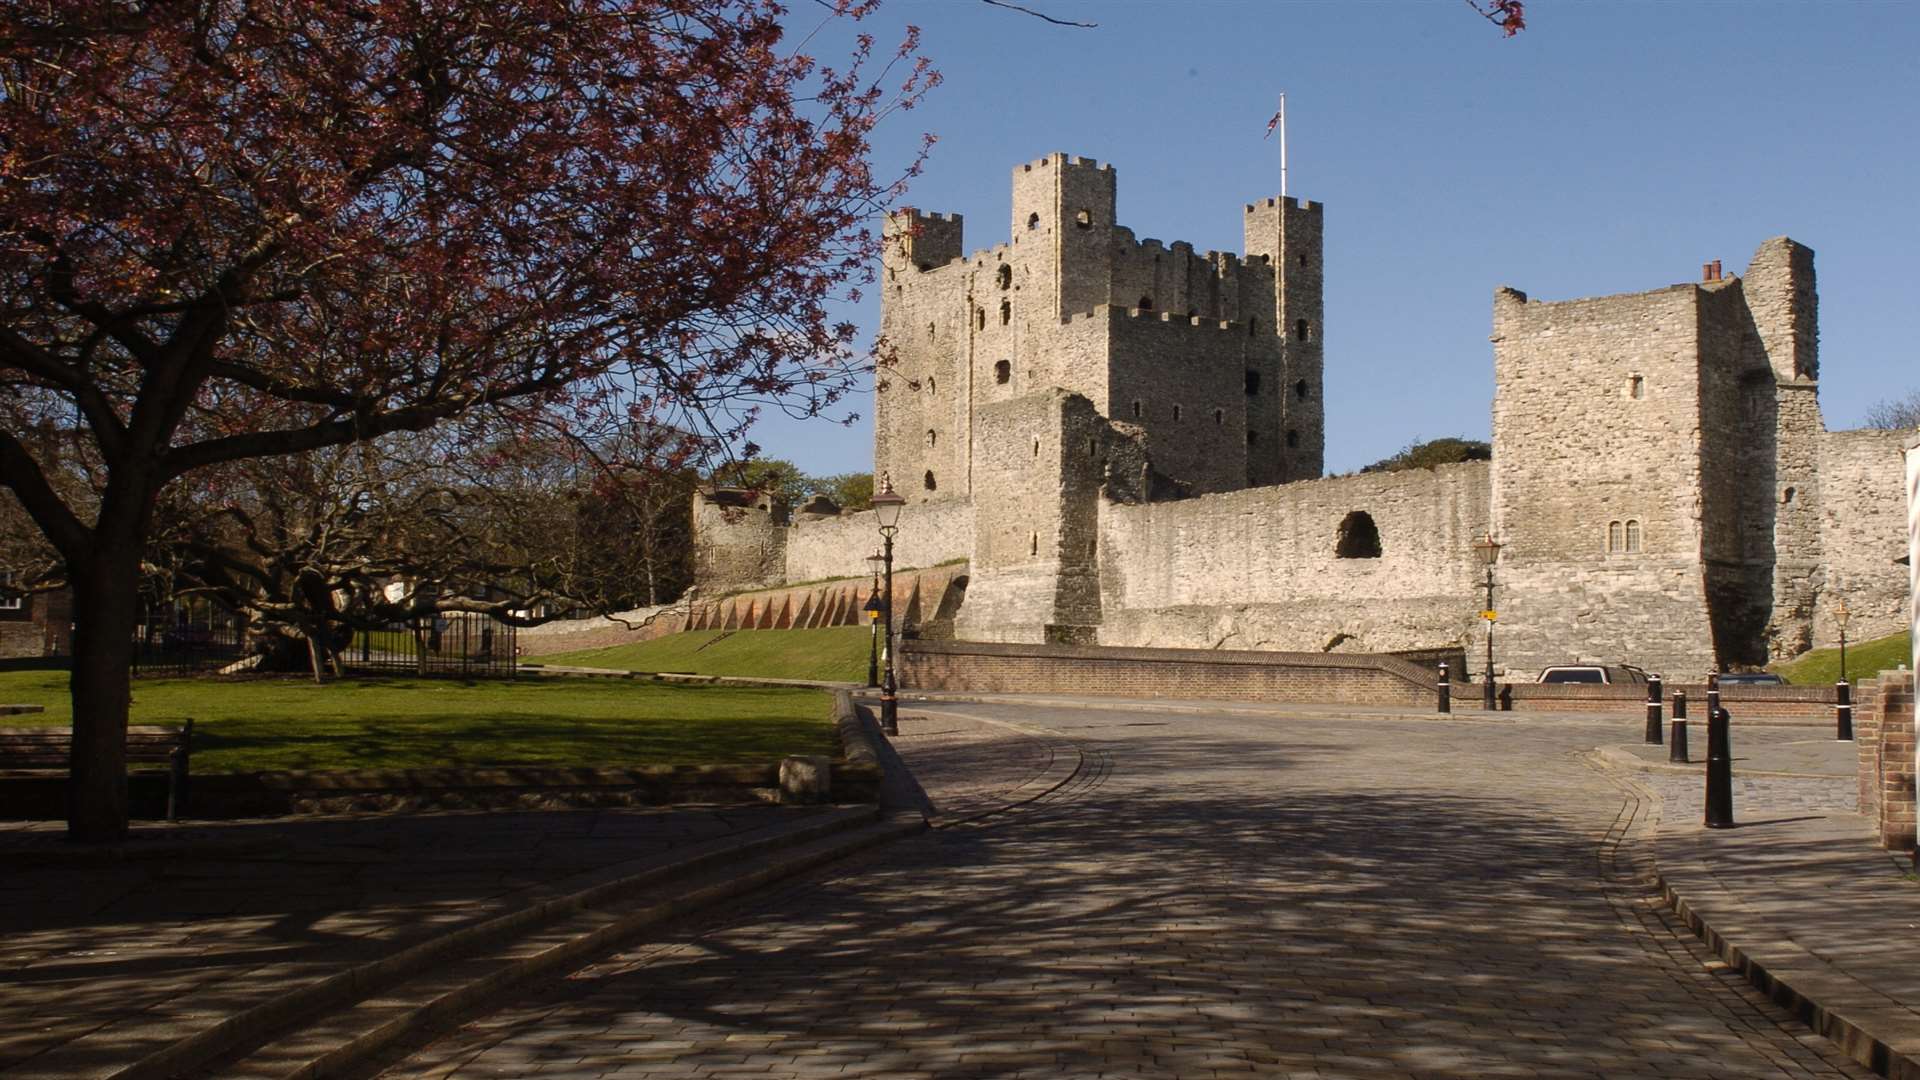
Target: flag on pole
(1275, 122)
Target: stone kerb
(992, 667)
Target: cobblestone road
(1204, 897)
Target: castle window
(1006, 312)
(1033, 544)
(1033, 221)
(931, 387)
(1633, 537)
(1005, 276)
(1253, 327)
(979, 318)
(1219, 417)
(1176, 413)
(1636, 386)
(1146, 303)
(1616, 536)
(1300, 389)
(1036, 448)
(1302, 262)
(1253, 382)
(1787, 496)
(1252, 437)
(1003, 371)
(1299, 329)
(928, 480)
(933, 437)
(1092, 447)
(1083, 218)
(1136, 410)
(1359, 537)
(11, 601)
(1293, 438)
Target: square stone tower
(1216, 359)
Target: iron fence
(459, 643)
(182, 638)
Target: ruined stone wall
(1259, 569)
(1863, 518)
(819, 548)
(739, 540)
(1182, 381)
(1597, 482)
(1913, 548)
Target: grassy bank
(1864, 660)
(254, 724)
(834, 654)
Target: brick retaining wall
(1883, 730)
(1357, 678)
(1811, 703)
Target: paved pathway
(1205, 896)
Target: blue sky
(1609, 148)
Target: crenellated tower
(1287, 234)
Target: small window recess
(1033, 221)
(1219, 417)
(1302, 260)
(1083, 218)
(1300, 389)
(1146, 303)
(1359, 537)
(1003, 372)
(979, 318)
(928, 480)
(1253, 383)
(1176, 414)
(1636, 386)
(1787, 496)
(932, 388)
(1253, 327)
(933, 438)
(1300, 329)
(1293, 439)
(1033, 544)
(1036, 448)
(1006, 312)
(1136, 410)
(1253, 437)
(1005, 276)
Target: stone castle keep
(1124, 441)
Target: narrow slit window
(1300, 329)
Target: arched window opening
(1033, 221)
(1146, 303)
(928, 480)
(1003, 371)
(1293, 438)
(1359, 537)
(1005, 276)
(1253, 383)
(1006, 312)
(932, 387)
(1633, 537)
(933, 438)
(1300, 389)
(1616, 536)
(1787, 495)
(1083, 218)
(1299, 329)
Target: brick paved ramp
(1202, 896)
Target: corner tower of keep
(1215, 358)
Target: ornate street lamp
(875, 608)
(886, 510)
(1840, 617)
(1489, 551)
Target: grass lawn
(258, 724)
(832, 653)
(1864, 660)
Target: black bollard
(1677, 746)
(1653, 710)
(1719, 770)
(1713, 695)
(1446, 690)
(1843, 711)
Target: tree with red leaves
(236, 231)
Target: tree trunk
(105, 611)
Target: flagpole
(1283, 144)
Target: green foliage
(831, 654)
(849, 491)
(252, 725)
(1865, 659)
(1434, 452)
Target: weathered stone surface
(806, 778)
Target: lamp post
(886, 510)
(1843, 691)
(874, 610)
(1489, 551)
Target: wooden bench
(50, 749)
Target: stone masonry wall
(818, 548)
(1913, 548)
(1597, 421)
(1862, 519)
(1257, 569)
(739, 540)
